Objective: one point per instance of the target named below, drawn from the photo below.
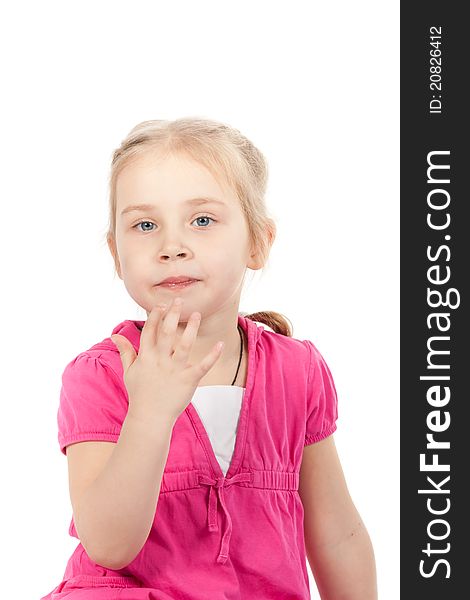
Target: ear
(111, 240)
(255, 262)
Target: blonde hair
(225, 152)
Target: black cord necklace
(241, 353)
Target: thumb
(126, 350)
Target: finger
(167, 329)
(148, 336)
(188, 338)
(209, 360)
(126, 350)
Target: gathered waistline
(270, 480)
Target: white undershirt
(218, 406)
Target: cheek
(224, 258)
(134, 261)
(227, 266)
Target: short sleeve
(93, 402)
(322, 400)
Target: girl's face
(176, 236)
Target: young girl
(200, 441)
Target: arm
(115, 513)
(338, 546)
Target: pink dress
(232, 536)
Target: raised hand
(160, 382)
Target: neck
(224, 369)
(222, 326)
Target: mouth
(179, 284)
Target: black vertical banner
(434, 302)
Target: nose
(172, 252)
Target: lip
(179, 279)
(178, 285)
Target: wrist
(151, 419)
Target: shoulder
(289, 355)
(103, 357)
(283, 343)
(97, 364)
(91, 373)
(93, 386)
(93, 398)
(300, 360)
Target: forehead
(152, 178)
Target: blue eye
(150, 222)
(140, 223)
(205, 217)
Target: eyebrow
(192, 201)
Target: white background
(315, 86)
